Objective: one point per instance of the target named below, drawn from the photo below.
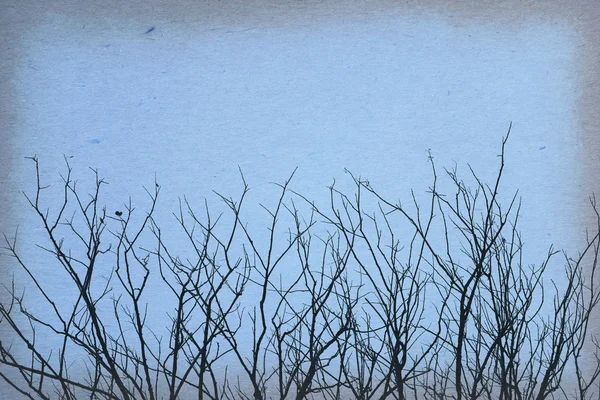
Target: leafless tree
(363, 297)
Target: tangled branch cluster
(331, 303)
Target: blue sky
(192, 103)
(371, 95)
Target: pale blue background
(193, 100)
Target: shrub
(395, 301)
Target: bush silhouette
(366, 298)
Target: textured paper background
(47, 32)
(322, 85)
